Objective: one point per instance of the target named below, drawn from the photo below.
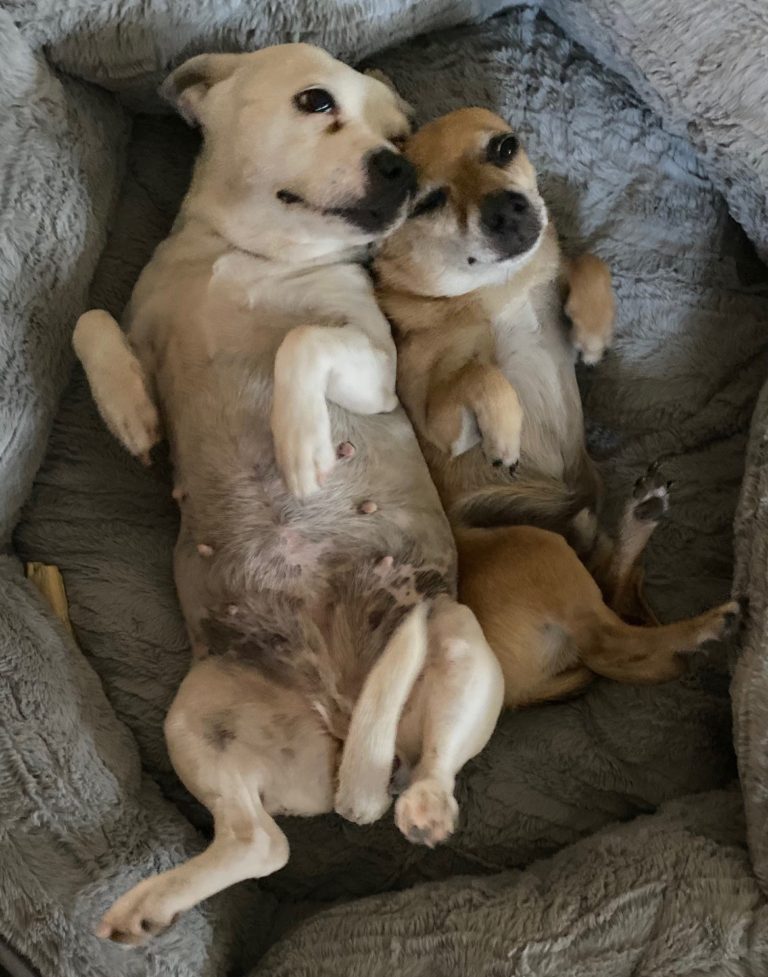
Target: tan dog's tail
(369, 750)
(542, 502)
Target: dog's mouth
(390, 185)
(370, 218)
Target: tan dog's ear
(188, 85)
(405, 107)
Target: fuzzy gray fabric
(60, 159)
(540, 879)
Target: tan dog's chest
(531, 349)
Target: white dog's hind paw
(363, 803)
(427, 813)
(143, 912)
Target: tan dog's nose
(510, 222)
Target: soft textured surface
(60, 149)
(670, 893)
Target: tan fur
(452, 303)
(590, 305)
(544, 616)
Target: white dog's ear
(188, 86)
(405, 107)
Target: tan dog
(315, 567)
(474, 284)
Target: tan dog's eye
(502, 149)
(432, 201)
(314, 100)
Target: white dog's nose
(389, 172)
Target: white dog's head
(300, 150)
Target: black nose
(389, 172)
(510, 221)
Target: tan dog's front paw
(303, 447)
(127, 410)
(589, 349)
(501, 430)
(591, 307)
(502, 446)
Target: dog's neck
(401, 272)
(213, 203)
(400, 278)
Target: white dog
(315, 566)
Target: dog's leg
(342, 364)
(630, 653)
(590, 305)
(621, 579)
(247, 844)
(369, 750)
(451, 718)
(240, 744)
(565, 684)
(484, 392)
(118, 383)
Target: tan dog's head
(299, 152)
(478, 215)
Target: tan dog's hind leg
(590, 305)
(118, 383)
(631, 653)
(369, 750)
(449, 720)
(618, 570)
(243, 747)
(544, 616)
(561, 686)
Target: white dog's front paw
(303, 447)
(128, 411)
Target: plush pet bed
(605, 837)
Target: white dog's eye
(314, 100)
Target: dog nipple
(204, 550)
(345, 450)
(178, 493)
(367, 508)
(385, 563)
(233, 610)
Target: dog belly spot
(430, 583)
(219, 732)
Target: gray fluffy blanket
(604, 837)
